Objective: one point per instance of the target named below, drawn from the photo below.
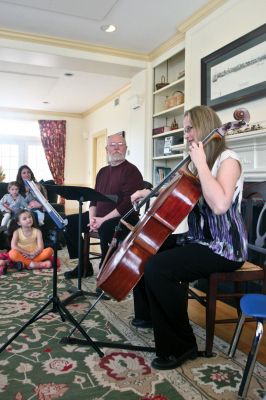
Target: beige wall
(228, 23)
(123, 117)
(110, 117)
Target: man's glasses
(187, 129)
(114, 144)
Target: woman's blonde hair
(204, 120)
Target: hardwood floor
(226, 331)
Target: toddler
(27, 244)
(10, 204)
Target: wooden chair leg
(238, 287)
(210, 314)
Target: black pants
(72, 232)
(106, 233)
(161, 295)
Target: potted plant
(2, 174)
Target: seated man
(120, 178)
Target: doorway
(98, 153)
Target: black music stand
(80, 194)
(57, 305)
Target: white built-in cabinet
(168, 108)
(168, 146)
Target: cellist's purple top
(225, 234)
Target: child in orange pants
(27, 244)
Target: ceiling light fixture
(45, 102)
(108, 28)
(68, 74)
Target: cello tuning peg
(242, 114)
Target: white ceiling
(32, 72)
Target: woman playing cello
(216, 243)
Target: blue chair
(243, 279)
(252, 305)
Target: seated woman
(27, 244)
(43, 219)
(26, 174)
(217, 243)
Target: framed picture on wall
(235, 73)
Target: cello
(123, 270)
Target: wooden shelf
(167, 133)
(172, 156)
(169, 111)
(166, 90)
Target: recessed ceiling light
(68, 74)
(108, 28)
(45, 102)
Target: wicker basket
(175, 100)
(162, 83)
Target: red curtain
(53, 137)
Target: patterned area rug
(37, 366)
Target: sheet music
(58, 220)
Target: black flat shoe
(18, 265)
(74, 273)
(141, 323)
(172, 362)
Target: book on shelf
(161, 173)
(171, 141)
(161, 129)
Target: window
(37, 162)
(20, 143)
(9, 156)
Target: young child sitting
(27, 244)
(11, 203)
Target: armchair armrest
(258, 249)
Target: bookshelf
(168, 110)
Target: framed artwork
(235, 73)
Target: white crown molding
(69, 44)
(182, 28)
(40, 112)
(194, 19)
(179, 37)
(202, 13)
